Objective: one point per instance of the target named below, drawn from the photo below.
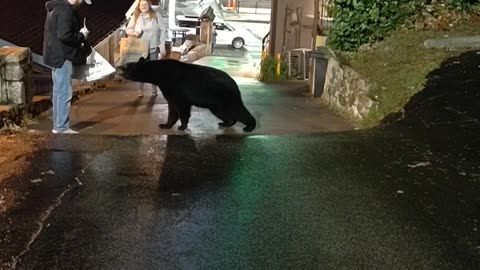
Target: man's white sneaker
(68, 131)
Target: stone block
(352, 85)
(3, 86)
(16, 93)
(362, 86)
(326, 94)
(14, 72)
(342, 100)
(30, 89)
(354, 111)
(15, 54)
(351, 98)
(3, 93)
(364, 105)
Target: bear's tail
(246, 118)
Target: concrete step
(453, 42)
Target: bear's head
(132, 71)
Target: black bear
(184, 85)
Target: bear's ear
(141, 60)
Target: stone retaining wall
(16, 83)
(345, 90)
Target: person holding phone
(65, 45)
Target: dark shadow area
(190, 167)
(446, 113)
(443, 122)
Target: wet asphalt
(401, 196)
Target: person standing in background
(147, 25)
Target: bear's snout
(120, 70)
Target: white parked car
(226, 34)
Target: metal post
(289, 56)
(171, 14)
(315, 23)
(314, 38)
(278, 64)
(285, 28)
(299, 27)
(273, 26)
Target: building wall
(291, 33)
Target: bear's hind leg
(227, 123)
(246, 118)
(222, 115)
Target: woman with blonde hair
(146, 24)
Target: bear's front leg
(184, 113)
(172, 117)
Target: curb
(247, 21)
(12, 116)
(225, 12)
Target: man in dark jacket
(65, 45)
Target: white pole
(171, 13)
(131, 9)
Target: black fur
(184, 85)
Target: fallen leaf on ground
(420, 164)
(50, 172)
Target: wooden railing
(110, 46)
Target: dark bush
(359, 22)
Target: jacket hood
(50, 5)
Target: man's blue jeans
(62, 96)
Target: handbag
(133, 48)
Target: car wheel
(238, 43)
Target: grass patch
(398, 66)
(15, 152)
